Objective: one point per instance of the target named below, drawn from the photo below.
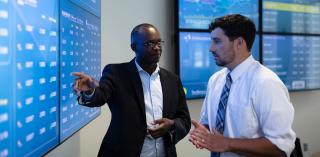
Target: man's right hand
(198, 127)
(84, 83)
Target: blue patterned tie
(221, 113)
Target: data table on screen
(29, 56)
(295, 59)
(33, 100)
(80, 52)
(36, 77)
(291, 16)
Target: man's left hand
(162, 126)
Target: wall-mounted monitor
(196, 63)
(80, 51)
(29, 66)
(197, 14)
(35, 65)
(295, 59)
(291, 16)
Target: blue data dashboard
(41, 44)
(197, 62)
(80, 51)
(287, 40)
(197, 14)
(295, 59)
(291, 16)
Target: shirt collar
(240, 69)
(140, 69)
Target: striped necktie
(221, 113)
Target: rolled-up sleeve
(276, 114)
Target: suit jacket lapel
(137, 86)
(165, 90)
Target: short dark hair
(234, 26)
(136, 30)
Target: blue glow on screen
(290, 16)
(36, 80)
(80, 51)
(197, 63)
(197, 14)
(30, 62)
(29, 98)
(92, 6)
(6, 99)
(295, 59)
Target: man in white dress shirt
(251, 108)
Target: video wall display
(32, 73)
(80, 51)
(291, 16)
(197, 63)
(295, 59)
(284, 24)
(29, 95)
(197, 14)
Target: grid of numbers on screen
(36, 77)
(298, 69)
(80, 51)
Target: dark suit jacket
(121, 87)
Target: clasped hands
(201, 137)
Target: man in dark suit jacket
(136, 92)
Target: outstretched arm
(92, 93)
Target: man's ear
(240, 42)
(133, 46)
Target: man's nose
(212, 48)
(157, 46)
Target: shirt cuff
(286, 144)
(88, 96)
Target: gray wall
(118, 18)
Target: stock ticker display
(289, 40)
(80, 51)
(295, 59)
(29, 125)
(291, 16)
(32, 97)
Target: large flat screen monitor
(29, 66)
(35, 65)
(80, 51)
(295, 59)
(196, 63)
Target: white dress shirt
(258, 105)
(153, 99)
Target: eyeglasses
(153, 43)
